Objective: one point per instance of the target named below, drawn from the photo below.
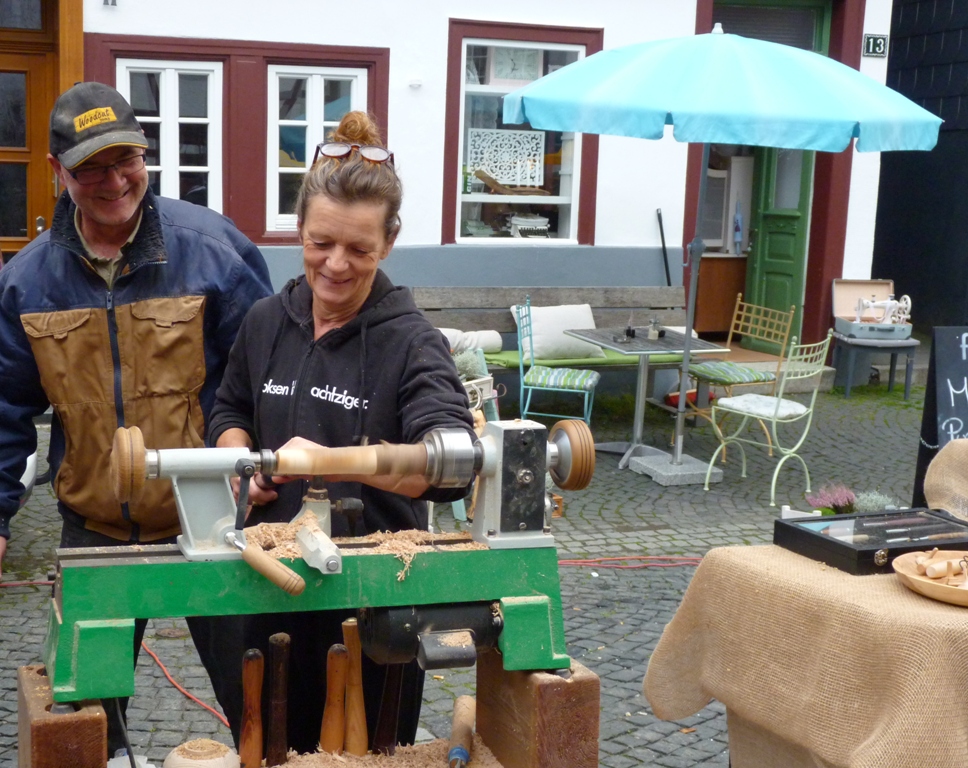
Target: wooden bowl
(905, 566)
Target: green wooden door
(777, 264)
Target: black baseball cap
(88, 118)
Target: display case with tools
(868, 542)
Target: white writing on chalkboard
(949, 411)
(952, 428)
(963, 391)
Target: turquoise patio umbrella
(719, 88)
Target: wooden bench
(488, 308)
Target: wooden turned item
(538, 719)
(128, 464)
(202, 753)
(334, 711)
(250, 739)
(48, 739)
(356, 738)
(277, 739)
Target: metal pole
(665, 253)
(694, 250)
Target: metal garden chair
(768, 327)
(805, 362)
(545, 379)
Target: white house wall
(635, 177)
(866, 166)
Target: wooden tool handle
(333, 727)
(281, 575)
(461, 731)
(250, 738)
(277, 738)
(385, 731)
(383, 459)
(128, 464)
(356, 739)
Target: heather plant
(833, 498)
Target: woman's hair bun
(357, 128)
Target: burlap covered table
(816, 667)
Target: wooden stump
(538, 719)
(78, 738)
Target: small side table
(893, 347)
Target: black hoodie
(385, 375)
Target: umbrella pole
(695, 250)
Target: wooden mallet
(277, 740)
(461, 732)
(334, 716)
(356, 739)
(250, 738)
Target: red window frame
(460, 29)
(245, 83)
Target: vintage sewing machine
(893, 311)
(505, 593)
(868, 309)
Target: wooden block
(78, 738)
(558, 510)
(538, 719)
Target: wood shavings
(405, 545)
(279, 541)
(457, 639)
(432, 754)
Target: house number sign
(875, 45)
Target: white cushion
(548, 325)
(762, 406)
(461, 341)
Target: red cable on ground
(198, 701)
(26, 583)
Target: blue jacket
(149, 353)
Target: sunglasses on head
(337, 149)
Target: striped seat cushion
(562, 378)
(723, 372)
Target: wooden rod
(461, 731)
(250, 738)
(385, 732)
(334, 716)
(356, 739)
(277, 737)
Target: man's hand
(3, 551)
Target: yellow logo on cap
(94, 117)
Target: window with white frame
(305, 105)
(179, 107)
(515, 181)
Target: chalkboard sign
(949, 358)
(945, 415)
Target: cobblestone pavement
(613, 618)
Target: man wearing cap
(122, 314)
